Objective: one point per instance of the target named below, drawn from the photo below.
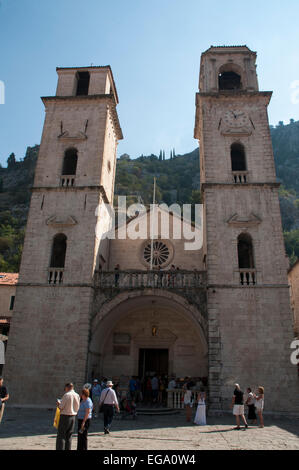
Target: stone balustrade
(55, 275)
(153, 279)
(67, 181)
(175, 398)
(240, 176)
(247, 277)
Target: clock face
(235, 118)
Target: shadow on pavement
(32, 422)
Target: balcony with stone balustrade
(138, 279)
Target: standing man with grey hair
(109, 400)
(238, 406)
(69, 406)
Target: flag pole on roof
(152, 224)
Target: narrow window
(82, 83)
(58, 251)
(245, 251)
(70, 162)
(238, 158)
(12, 301)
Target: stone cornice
(242, 185)
(108, 98)
(234, 94)
(55, 286)
(98, 188)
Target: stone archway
(148, 319)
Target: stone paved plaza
(24, 429)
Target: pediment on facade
(56, 221)
(66, 136)
(241, 221)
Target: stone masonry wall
(250, 334)
(48, 343)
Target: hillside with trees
(178, 180)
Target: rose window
(161, 253)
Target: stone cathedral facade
(224, 315)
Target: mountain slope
(178, 180)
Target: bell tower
(75, 173)
(250, 323)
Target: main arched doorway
(139, 333)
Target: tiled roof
(237, 45)
(9, 278)
(237, 48)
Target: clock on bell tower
(248, 298)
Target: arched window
(230, 77)
(58, 251)
(238, 159)
(70, 162)
(229, 81)
(82, 83)
(245, 251)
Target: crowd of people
(152, 390)
(104, 396)
(72, 404)
(254, 402)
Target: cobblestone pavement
(32, 429)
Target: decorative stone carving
(65, 136)
(241, 221)
(56, 221)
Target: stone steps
(156, 411)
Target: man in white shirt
(69, 406)
(108, 399)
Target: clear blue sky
(153, 47)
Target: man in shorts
(238, 406)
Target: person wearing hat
(96, 391)
(109, 400)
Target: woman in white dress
(259, 405)
(200, 417)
